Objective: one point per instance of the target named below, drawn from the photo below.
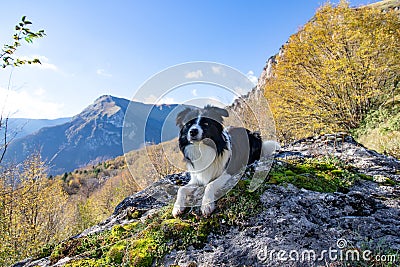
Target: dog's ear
(181, 116)
(220, 111)
(215, 113)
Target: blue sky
(112, 47)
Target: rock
(346, 149)
(33, 263)
(295, 226)
(299, 220)
(153, 197)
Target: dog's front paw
(177, 210)
(207, 209)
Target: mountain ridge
(94, 135)
(21, 127)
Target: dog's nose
(194, 132)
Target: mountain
(96, 133)
(21, 127)
(387, 5)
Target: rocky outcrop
(297, 220)
(295, 226)
(366, 219)
(268, 70)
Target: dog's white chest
(204, 165)
(201, 156)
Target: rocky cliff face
(328, 200)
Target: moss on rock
(317, 174)
(143, 243)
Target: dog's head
(199, 124)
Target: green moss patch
(98, 245)
(317, 174)
(116, 252)
(146, 243)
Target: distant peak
(109, 99)
(104, 98)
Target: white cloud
(194, 92)
(45, 65)
(250, 75)
(194, 74)
(216, 69)
(39, 92)
(103, 73)
(23, 104)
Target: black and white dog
(213, 154)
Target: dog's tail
(269, 147)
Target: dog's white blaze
(198, 119)
(196, 126)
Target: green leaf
(23, 18)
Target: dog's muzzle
(194, 134)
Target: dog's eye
(206, 124)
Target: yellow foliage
(31, 206)
(339, 66)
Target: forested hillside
(339, 72)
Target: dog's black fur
(210, 122)
(214, 154)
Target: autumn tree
(252, 112)
(31, 208)
(22, 223)
(339, 66)
(163, 158)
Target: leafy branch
(22, 33)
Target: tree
(339, 66)
(7, 56)
(22, 33)
(31, 210)
(25, 196)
